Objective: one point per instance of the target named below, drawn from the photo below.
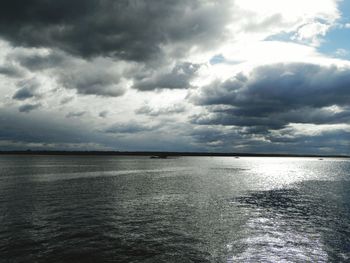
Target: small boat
(320, 159)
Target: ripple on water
(301, 224)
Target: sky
(257, 76)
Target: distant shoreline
(168, 154)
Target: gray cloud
(103, 47)
(37, 62)
(179, 78)
(86, 77)
(325, 142)
(103, 114)
(151, 33)
(173, 109)
(40, 131)
(273, 96)
(23, 94)
(29, 107)
(216, 137)
(132, 30)
(89, 80)
(11, 70)
(284, 141)
(66, 100)
(27, 89)
(75, 114)
(129, 128)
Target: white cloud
(312, 32)
(289, 14)
(340, 52)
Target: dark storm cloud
(179, 78)
(273, 96)
(132, 30)
(27, 89)
(28, 107)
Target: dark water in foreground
(136, 209)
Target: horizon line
(166, 153)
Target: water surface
(188, 209)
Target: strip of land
(166, 154)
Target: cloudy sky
(187, 75)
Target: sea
(183, 209)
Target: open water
(187, 209)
